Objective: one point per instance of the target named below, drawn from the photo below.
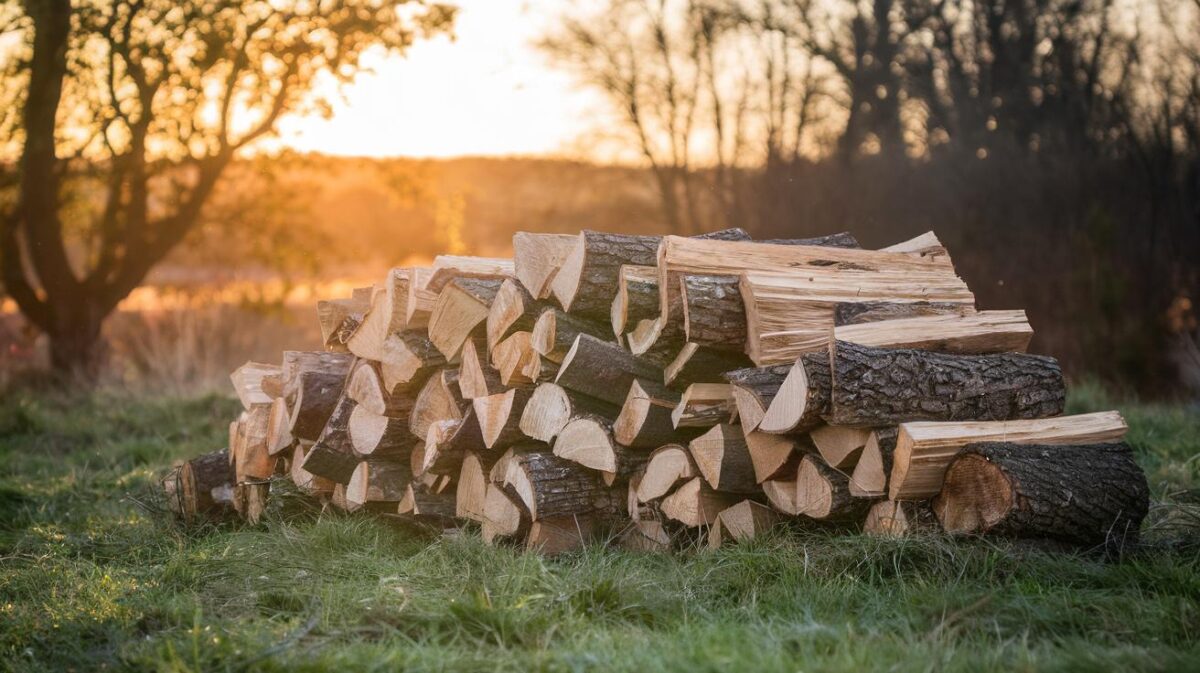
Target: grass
(94, 577)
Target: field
(94, 576)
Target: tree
(130, 112)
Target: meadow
(94, 575)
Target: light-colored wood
(387, 315)
(476, 376)
(279, 434)
(253, 459)
(669, 466)
(378, 481)
(645, 536)
(516, 360)
(769, 453)
(546, 412)
(588, 440)
(439, 400)
(704, 405)
(925, 245)
(560, 535)
(303, 479)
(870, 476)
(502, 516)
(447, 268)
(891, 518)
(500, 416)
(408, 359)
(781, 489)
(536, 259)
(633, 279)
(925, 449)
(420, 299)
(840, 446)
(695, 504)
(743, 521)
(372, 434)
(645, 418)
(247, 382)
(365, 386)
(724, 460)
(976, 332)
(461, 307)
(512, 310)
(470, 492)
(797, 405)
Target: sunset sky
(489, 92)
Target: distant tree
(123, 115)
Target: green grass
(93, 576)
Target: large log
(537, 257)
(602, 370)
(461, 311)
(555, 331)
(881, 386)
(1092, 495)
(973, 332)
(202, 487)
(724, 461)
(803, 399)
(550, 486)
(551, 406)
(587, 279)
(925, 449)
(699, 364)
(317, 394)
(713, 312)
(753, 390)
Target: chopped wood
(304, 480)
(409, 359)
(646, 536)
(743, 521)
(602, 370)
(317, 394)
(555, 331)
(516, 359)
(461, 310)
(587, 279)
(422, 501)
(366, 387)
(332, 456)
(645, 418)
(477, 377)
(250, 500)
(279, 437)
(704, 405)
(503, 519)
(724, 461)
(337, 499)
(373, 435)
(753, 390)
(781, 488)
(325, 463)
(420, 302)
(803, 399)
(892, 518)
(976, 332)
(925, 449)
(925, 245)
(378, 484)
(713, 312)
(636, 299)
(334, 315)
(473, 479)
(449, 268)
(561, 535)
(695, 504)
(439, 400)
(1091, 495)
(551, 406)
(387, 315)
(861, 312)
(769, 454)
(253, 456)
(885, 386)
(823, 492)
(550, 486)
(513, 310)
(699, 364)
(537, 257)
(839, 445)
(247, 382)
(870, 476)
(669, 466)
(296, 363)
(500, 417)
(202, 487)
(588, 440)
(447, 443)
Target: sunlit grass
(93, 576)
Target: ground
(93, 575)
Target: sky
(487, 92)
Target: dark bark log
(317, 395)
(552, 487)
(857, 313)
(713, 312)
(379, 483)
(448, 442)
(1091, 495)
(753, 390)
(201, 487)
(603, 370)
(842, 239)
(421, 501)
(410, 358)
(645, 418)
(333, 465)
(882, 386)
(587, 281)
(555, 332)
(296, 363)
(640, 297)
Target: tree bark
(713, 312)
(603, 370)
(753, 390)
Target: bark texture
(713, 312)
(603, 370)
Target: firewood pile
(655, 391)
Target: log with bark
(201, 487)
(724, 460)
(387, 315)
(974, 332)
(470, 492)
(862, 312)
(513, 310)
(587, 439)
(537, 257)
(426, 503)
(1093, 495)
(476, 375)
(636, 299)
(586, 281)
(439, 400)
(499, 417)
(253, 459)
(769, 454)
(410, 358)
(803, 399)
(376, 436)
(645, 418)
(870, 476)
(713, 312)
(925, 449)
(668, 467)
(892, 518)
(504, 519)
(555, 331)
(279, 436)
(378, 485)
(646, 536)
(551, 406)
(704, 405)
(823, 492)
(297, 363)
(306, 481)
(694, 504)
(365, 387)
(449, 268)
(885, 386)
(516, 359)
(753, 390)
(420, 299)
(334, 314)
(743, 521)
(460, 312)
(549, 486)
(317, 395)
(602, 370)
(447, 443)
(247, 382)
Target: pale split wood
(741, 522)
(975, 332)
(247, 382)
(694, 504)
(840, 446)
(448, 268)
(387, 314)
(536, 258)
(669, 466)
(770, 453)
(704, 405)
(724, 460)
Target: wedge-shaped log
(297, 363)
(891, 518)
(378, 485)
(602, 370)
(885, 386)
(695, 504)
(870, 476)
(823, 492)
(803, 398)
(699, 364)
(304, 480)
(449, 268)
(499, 417)
(555, 331)
(743, 521)
(587, 279)
(504, 519)
(770, 453)
(1092, 495)
(334, 315)
(551, 487)
(753, 390)
(476, 376)
(588, 440)
(839, 445)
(409, 359)
(724, 460)
(279, 436)
(387, 315)
(317, 394)
(516, 359)
(537, 257)
(551, 406)
(645, 536)
(421, 299)
(247, 382)
(704, 405)
(461, 311)
(439, 400)
(253, 456)
(376, 436)
(366, 388)
(636, 299)
(512, 310)
(422, 501)
(447, 443)
(669, 466)
(925, 450)
(645, 418)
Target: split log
(551, 487)
(373, 435)
(387, 315)
(247, 383)
(516, 359)
(461, 311)
(421, 501)
(421, 299)
(561, 535)
(645, 418)
(450, 268)
(202, 487)
(447, 443)
(323, 462)
(724, 461)
(378, 485)
(409, 359)
(555, 331)
(870, 476)
(551, 406)
(332, 456)
(646, 536)
(753, 390)
(473, 479)
(781, 488)
(862, 312)
(925, 245)
(636, 299)
(297, 363)
(974, 332)
(588, 440)
(513, 310)
(337, 499)
(587, 279)
(477, 377)
(367, 389)
(704, 405)
(439, 400)
(304, 480)
(333, 314)
(500, 417)
(840, 446)
(504, 518)
(743, 521)
(279, 437)
(602, 370)
(695, 504)
(700, 364)
(891, 518)
(881, 386)
(317, 395)
(770, 453)
(253, 456)
(823, 492)
(537, 257)
(1091, 495)
(250, 500)
(925, 450)
(803, 399)
(713, 312)
(668, 467)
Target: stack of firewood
(653, 390)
